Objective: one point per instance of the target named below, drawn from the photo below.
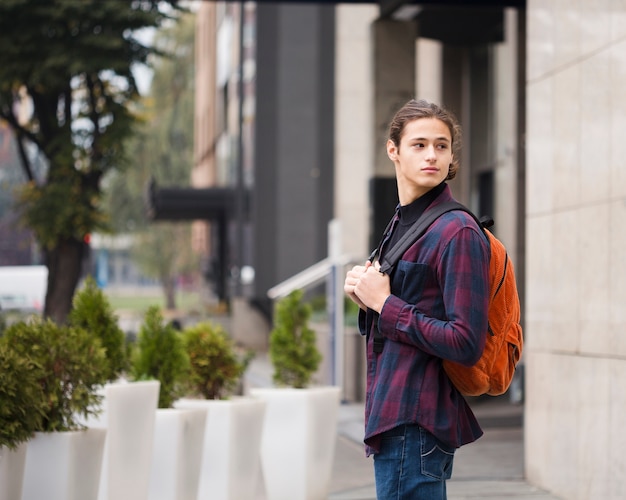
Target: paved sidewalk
(491, 468)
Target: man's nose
(430, 153)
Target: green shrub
(22, 400)
(216, 369)
(351, 313)
(92, 312)
(293, 350)
(72, 367)
(160, 354)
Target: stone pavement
(491, 468)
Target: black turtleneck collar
(411, 212)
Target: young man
(432, 307)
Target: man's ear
(392, 150)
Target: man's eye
(442, 146)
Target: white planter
(64, 465)
(12, 463)
(298, 444)
(128, 414)
(230, 460)
(177, 453)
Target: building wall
(224, 136)
(506, 148)
(353, 126)
(203, 173)
(292, 200)
(576, 235)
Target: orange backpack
(494, 371)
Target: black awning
(187, 203)
(390, 8)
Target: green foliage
(93, 313)
(318, 303)
(293, 350)
(160, 354)
(64, 210)
(22, 400)
(163, 150)
(72, 367)
(68, 93)
(216, 369)
(351, 312)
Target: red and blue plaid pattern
(437, 310)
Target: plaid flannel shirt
(437, 310)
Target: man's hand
(373, 287)
(352, 278)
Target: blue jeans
(412, 465)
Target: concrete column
(394, 84)
(394, 81)
(292, 201)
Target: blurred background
(257, 166)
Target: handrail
(308, 277)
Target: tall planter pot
(230, 467)
(12, 464)
(64, 465)
(298, 443)
(177, 454)
(128, 414)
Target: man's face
(422, 159)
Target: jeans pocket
(436, 458)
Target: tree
(160, 355)
(293, 346)
(163, 150)
(164, 252)
(92, 312)
(67, 91)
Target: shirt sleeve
(458, 331)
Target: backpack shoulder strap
(392, 256)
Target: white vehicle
(23, 287)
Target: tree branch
(10, 118)
(93, 115)
(20, 134)
(26, 164)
